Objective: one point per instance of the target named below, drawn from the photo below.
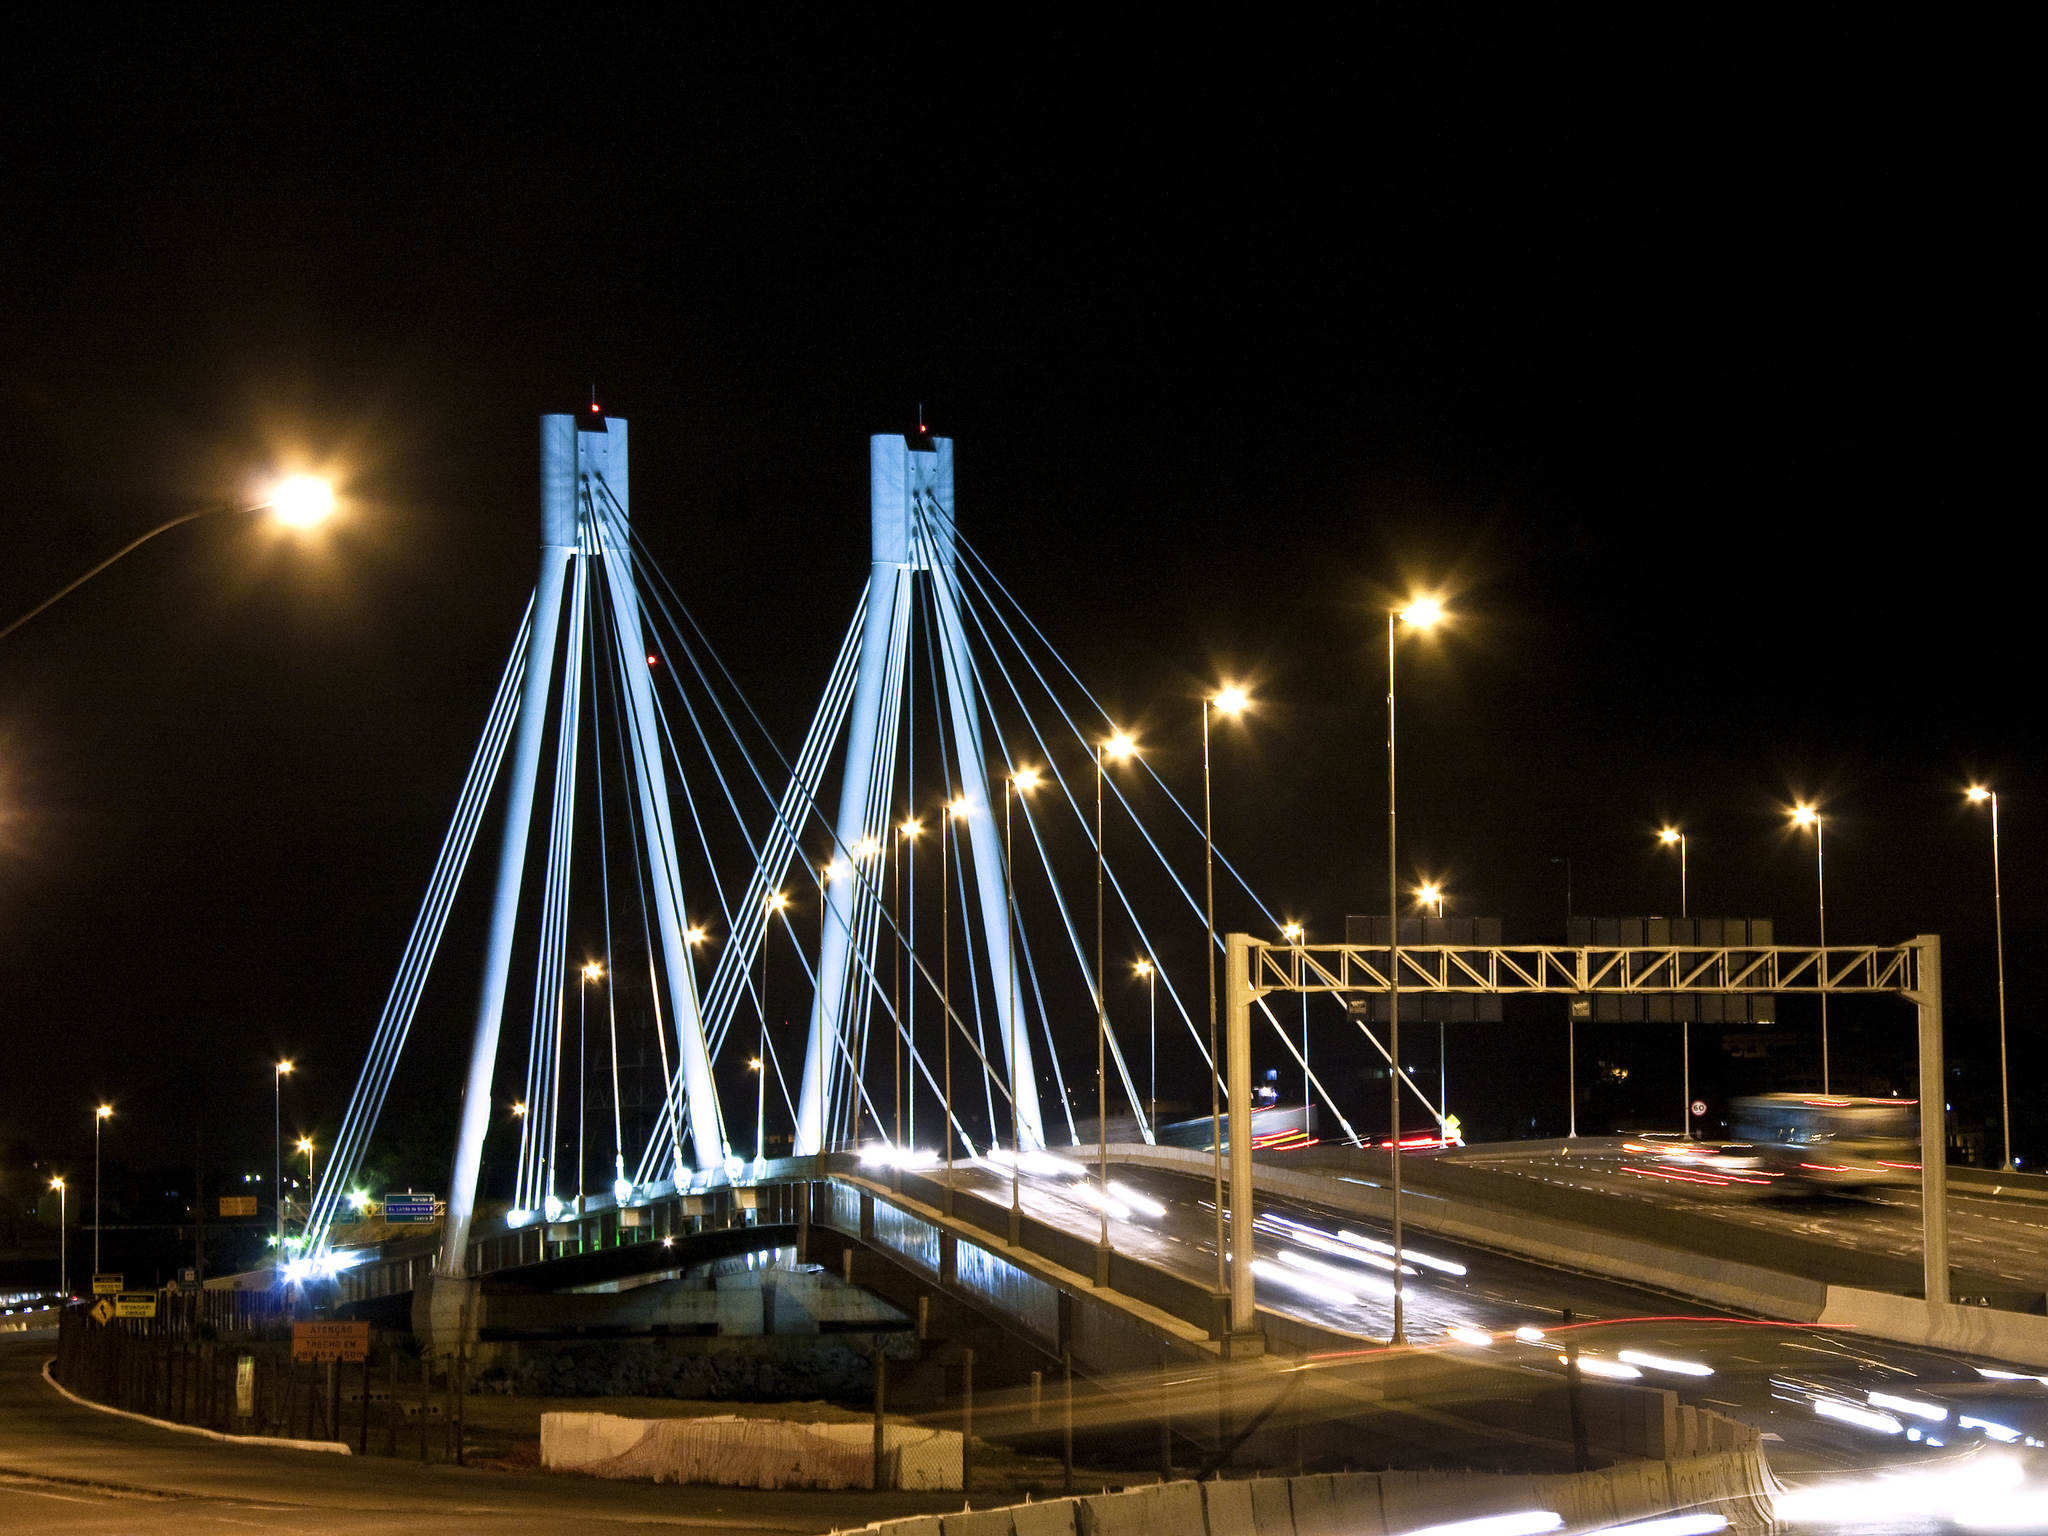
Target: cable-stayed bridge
(984, 849)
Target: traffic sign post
(409, 1208)
(135, 1304)
(106, 1285)
(102, 1311)
(330, 1341)
(237, 1205)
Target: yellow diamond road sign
(102, 1311)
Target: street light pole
(954, 808)
(1145, 969)
(1979, 794)
(99, 1118)
(1420, 614)
(1432, 893)
(1118, 747)
(312, 1186)
(1668, 837)
(63, 1247)
(299, 501)
(1805, 815)
(1231, 701)
(1018, 782)
(760, 1104)
(284, 1070)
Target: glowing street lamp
(1804, 816)
(1978, 794)
(297, 501)
(1422, 613)
(100, 1117)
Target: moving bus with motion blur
(1826, 1141)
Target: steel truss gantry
(1254, 970)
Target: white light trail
(1914, 1406)
(1862, 1418)
(1478, 1338)
(1528, 1522)
(2001, 1432)
(1357, 1283)
(1650, 1362)
(1280, 1274)
(1408, 1255)
(1668, 1525)
(1137, 1200)
(1600, 1365)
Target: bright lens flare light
(1119, 747)
(1026, 778)
(1232, 701)
(1423, 612)
(1977, 794)
(300, 501)
(1804, 815)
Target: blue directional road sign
(409, 1207)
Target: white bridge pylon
(585, 522)
(911, 506)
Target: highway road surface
(2003, 1237)
(70, 1471)
(1870, 1436)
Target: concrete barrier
(1736, 1484)
(1272, 1507)
(1227, 1507)
(1055, 1517)
(2019, 1338)
(747, 1453)
(1315, 1508)
(1412, 1500)
(1360, 1510)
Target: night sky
(1688, 394)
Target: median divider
(272, 1442)
(2019, 1338)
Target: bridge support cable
(693, 1058)
(1188, 895)
(976, 559)
(983, 586)
(981, 828)
(768, 861)
(540, 1131)
(1081, 959)
(394, 1024)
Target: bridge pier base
(444, 1314)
